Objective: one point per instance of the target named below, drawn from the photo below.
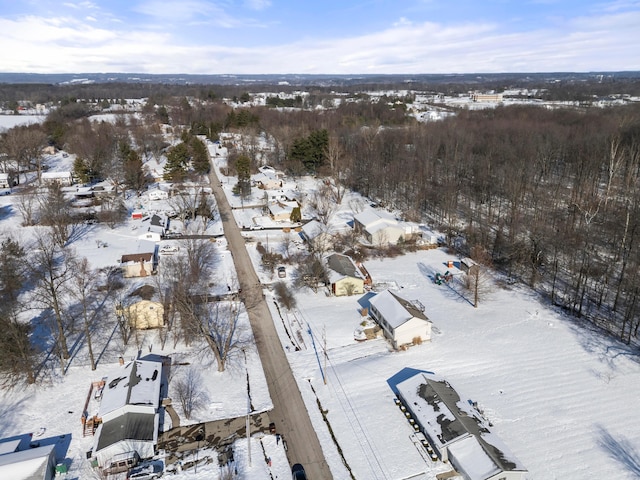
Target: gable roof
(370, 217)
(129, 426)
(395, 309)
(344, 265)
(142, 250)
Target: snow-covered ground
(560, 396)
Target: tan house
(142, 262)
(344, 275)
(402, 321)
(145, 314)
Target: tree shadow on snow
(621, 450)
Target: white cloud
(66, 44)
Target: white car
(169, 249)
(256, 227)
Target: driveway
(289, 411)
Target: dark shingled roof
(129, 426)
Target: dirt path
(289, 411)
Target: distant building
(486, 97)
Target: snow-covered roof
(369, 217)
(456, 426)
(137, 383)
(140, 250)
(25, 464)
(312, 229)
(343, 265)
(395, 309)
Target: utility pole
(324, 341)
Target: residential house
(129, 412)
(157, 194)
(403, 322)
(144, 314)
(317, 235)
(456, 430)
(268, 178)
(382, 228)
(8, 180)
(344, 275)
(142, 260)
(281, 210)
(23, 459)
(154, 227)
(64, 179)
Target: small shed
(468, 266)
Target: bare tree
(189, 392)
(26, 204)
(52, 269)
(24, 144)
(55, 212)
(221, 329)
(91, 298)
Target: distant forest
(548, 197)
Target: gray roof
(129, 426)
(343, 265)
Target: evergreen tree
(177, 159)
(199, 157)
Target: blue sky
(322, 37)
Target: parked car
(147, 471)
(256, 227)
(297, 472)
(173, 235)
(168, 249)
(282, 272)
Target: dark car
(297, 472)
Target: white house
(129, 412)
(20, 460)
(344, 275)
(268, 178)
(457, 430)
(402, 321)
(8, 180)
(62, 178)
(382, 228)
(318, 235)
(157, 194)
